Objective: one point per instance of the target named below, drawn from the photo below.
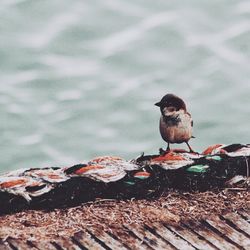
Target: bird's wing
(192, 122)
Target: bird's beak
(158, 104)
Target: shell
(105, 169)
(172, 160)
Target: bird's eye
(171, 109)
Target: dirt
(110, 215)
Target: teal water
(78, 79)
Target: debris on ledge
(219, 166)
(178, 200)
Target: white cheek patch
(180, 112)
(166, 112)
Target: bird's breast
(177, 129)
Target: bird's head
(170, 104)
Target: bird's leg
(163, 152)
(168, 148)
(190, 149)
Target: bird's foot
(194, 152)
(164, 152)
(190, 149)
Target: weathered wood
(229, 232)
(19, 244)
(65, 244)
(170, 237)
(41, 245)
(245, 215)
(86, 241)
(210, 236)
(190, 237)
(150, 239)
(108, 240)
(4, 246)
(130, 240)
(239, 222)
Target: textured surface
(230, 231)
(171, 208)
(148, 176)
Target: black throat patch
(172, 120)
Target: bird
(176, 124)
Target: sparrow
(175, 122)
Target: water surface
(78, 79)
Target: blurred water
(78, 79)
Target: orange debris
(170, 156)
(87, 168)
(142, 173)
(210, 149)
(12, 183)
